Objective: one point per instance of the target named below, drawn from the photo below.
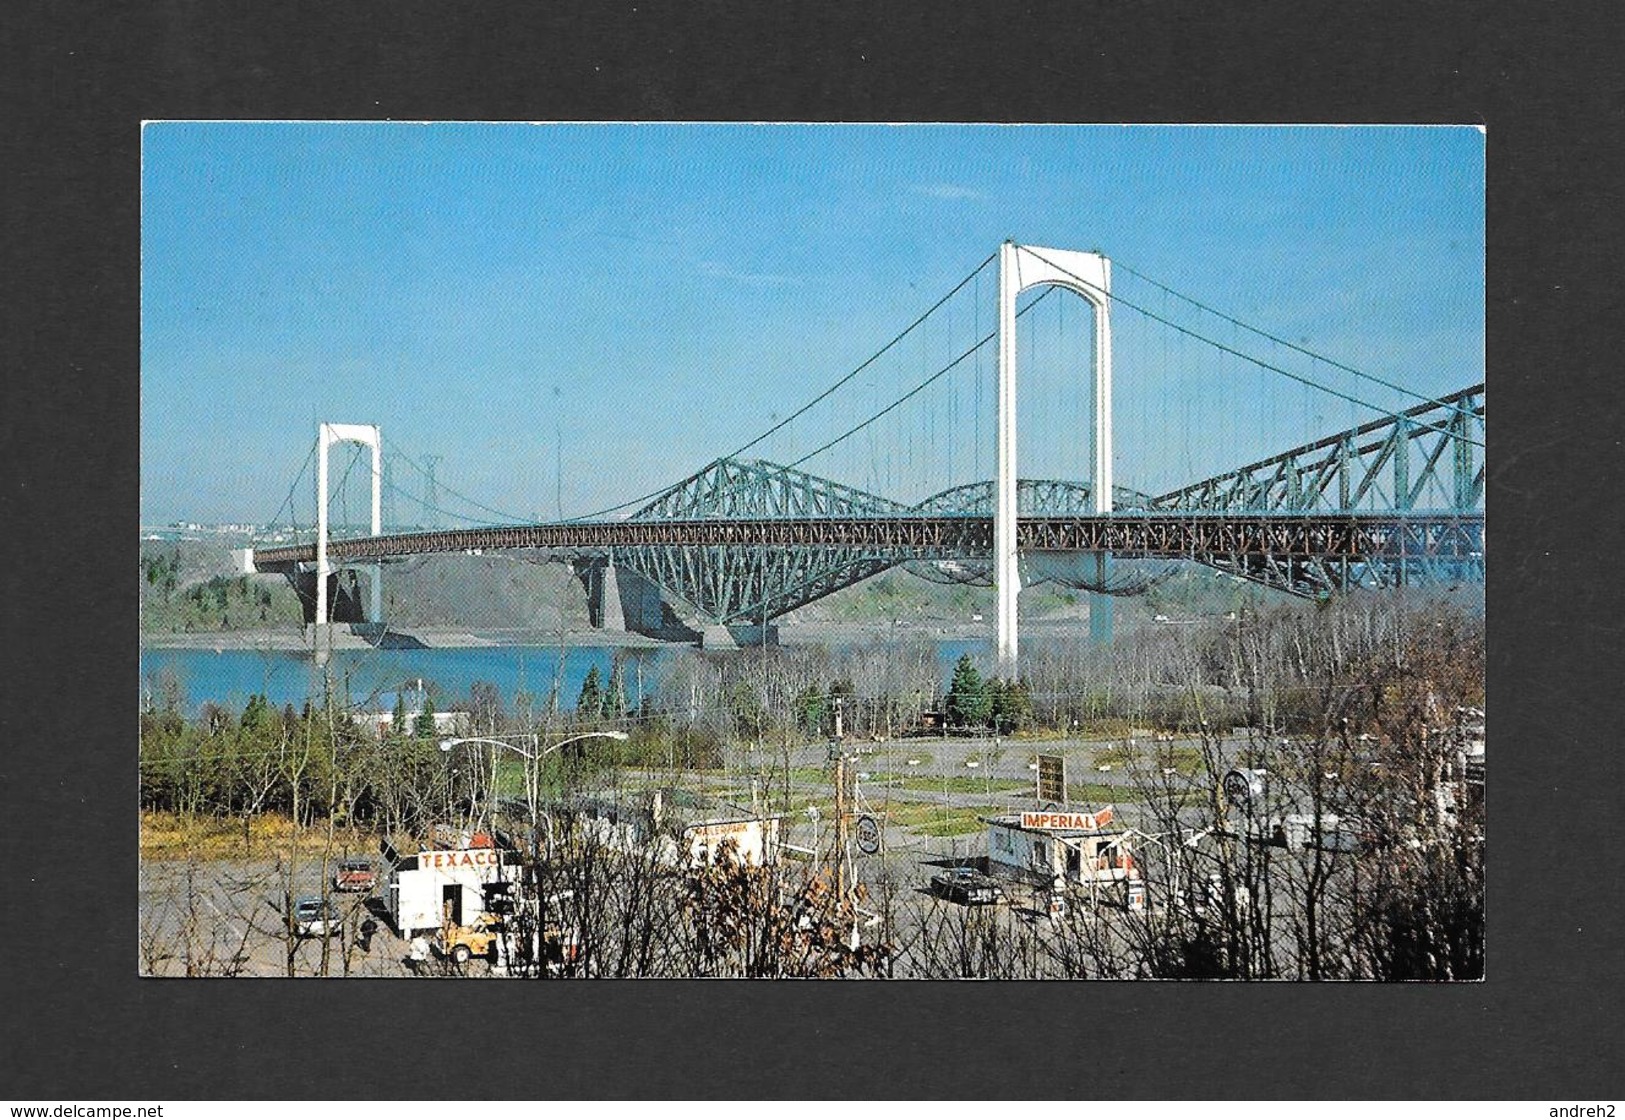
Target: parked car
(316, 917)
(355, 875)
(965, 885)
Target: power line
(431, 490)
(453, 513)
(344, 496)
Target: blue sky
(626, 302)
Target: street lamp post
(987, 763)
(532, 759)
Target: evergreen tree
(1012, 705)
(811, 708)
(1021, 705)
(591, 701)
(749, 718)
(615, 695)
(257, 714)
(397, 721)
(424, 725)
(970, 701)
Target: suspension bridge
(1395, 500)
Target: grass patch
(795, 813)
(902, 755)
(809, 776)
(1151, 756)
(960, 822)
(1099, 793)
(171, 836)
(958, 783)
(934, 820)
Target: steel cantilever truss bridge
(1394, 502)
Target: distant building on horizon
(377, 723)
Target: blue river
(229, 677)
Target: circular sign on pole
(1243, 786)
(868, 833)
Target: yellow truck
(478, 938)
(556, 947)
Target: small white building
(687, 829)
(1043, 846)
(437, 885)
(755, 840)
(378, 723)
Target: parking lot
(225, 918)
(926, 796)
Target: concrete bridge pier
(620, 600)
(598, 580)
(746, 636)
(1102, 607)
(348, 603)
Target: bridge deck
(1184, 534)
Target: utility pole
(842, 803)
(840, 826)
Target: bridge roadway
(1448, 536)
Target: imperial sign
(1086, 821)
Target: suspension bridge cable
(451, 513)
(867, 362)
(953, 405)
(976, 387)
(784, 469)
(914, 391)
(505, 515)
(287, 502)
(1248, 357)
(876, 356)
(1281, 341)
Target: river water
(229, 677)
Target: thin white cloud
(718, 271)
(948, 191)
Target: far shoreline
(791, 635)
